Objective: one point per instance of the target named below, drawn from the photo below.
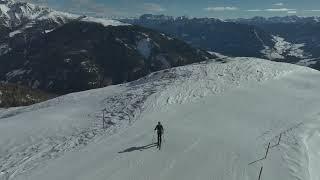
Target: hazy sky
(192, 8)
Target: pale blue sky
(192, 8)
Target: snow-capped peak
(14, 14)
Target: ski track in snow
(73, 122)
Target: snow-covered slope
(218, 118)
(284, 49)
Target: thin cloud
(39, 2)
(313, 10)
(280, 10)
(153, 7)
(254, 10)
(279, 4)
(93, 8)
(221, 8)
(287, 10)
(292, 12)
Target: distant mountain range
(61, 53)
(290, 39)
(297, 30)
(272, 20)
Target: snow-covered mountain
(210, 34)
(290, 39)
(14, 14)
(228, 37)
(219, 118)
(302, 32)
(18, 16)
(61, 53)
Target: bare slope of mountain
(12, 95)
(62, 53)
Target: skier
(159, 129)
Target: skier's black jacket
(159, 129)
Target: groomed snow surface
(219, 117)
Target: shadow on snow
(141, 148)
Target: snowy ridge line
(125, 105)
(211, 80)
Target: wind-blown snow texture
(218, 117)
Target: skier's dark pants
(159, 139)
